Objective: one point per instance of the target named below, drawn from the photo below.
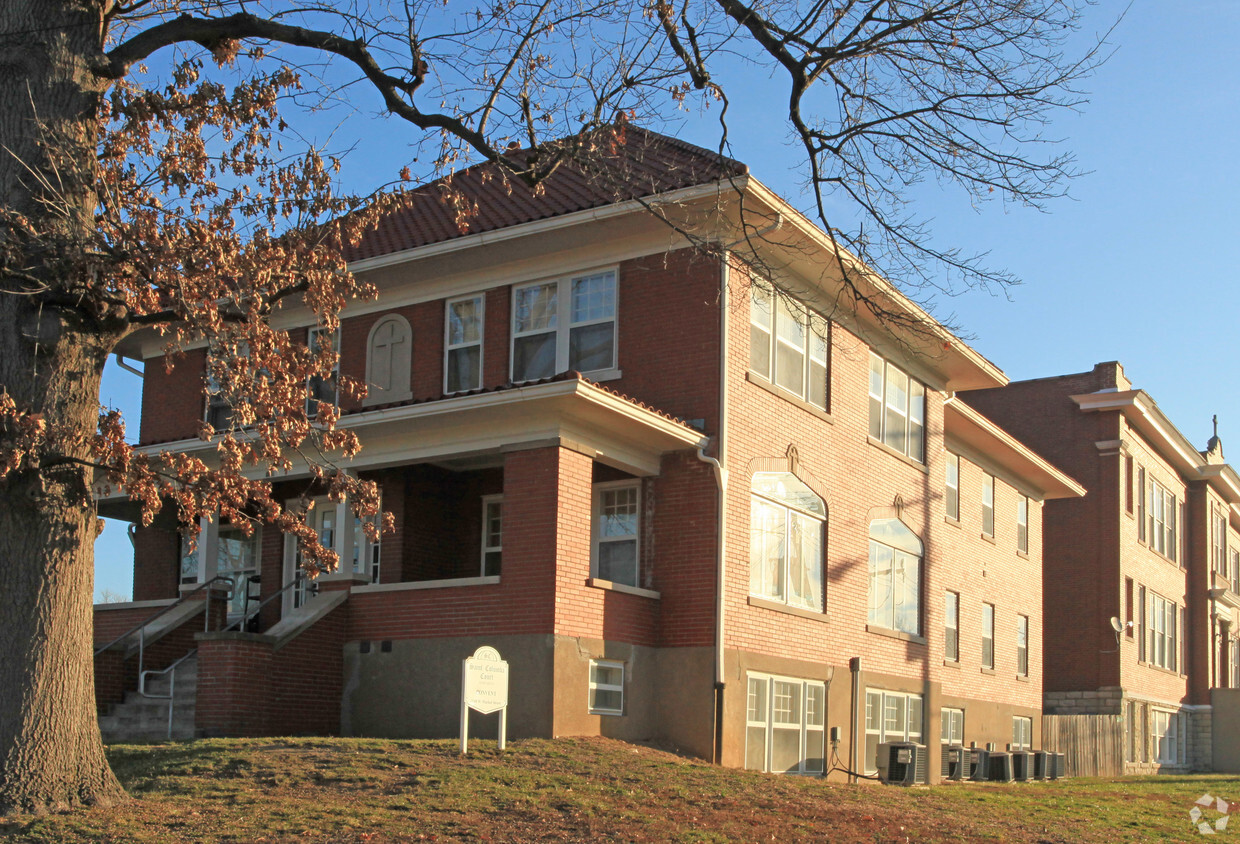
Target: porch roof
(476, 429)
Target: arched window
(787, 521)
(895, 576)
(389, 350)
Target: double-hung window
(788, 344)
(1022, 645)
(786, 541)
(889, 716)
(1162, 514)
(322, 388)
(1022, 732)
(895, 577)
(1141, 503)
(897, 409)
(463, 344)
(606, 687)
(564, 325)
(784, 725)
(1022, 524)
(1234, 570)
(1161, 624)
(1218, 539)
(952, 486)
(988, 636)
(617, 506)
(1166, 734)
(988, 504)
(951, 627)
(492, 534)
(951, 726)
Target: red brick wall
(157, 563)
(173, 403)
(860, 480)
(1092, 543)
(234, 688)
(685, 507)
(307, 677)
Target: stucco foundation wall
(1225, 733)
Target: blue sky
(1139, 265)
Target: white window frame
(449, 347)
(342, 543)
(951, 626)
(1218, 539)
(401, 365)
(1162, 622)
(1022, 646)
(951, 726)
(311, 334)
(369, 554)
(988, 635)
(1022, 524)
(597, 539)
(888, 419)
(1162, 517)
(595, 686)
(205, 560)
(818, 602)
(767, 319)
(810, 722)
(563, 325)
(489, 501)
(988, 505)
(951, 485)
(878, 702)
(1165, 735)
(876, 615)
(1022, 732)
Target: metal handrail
(167, 609)
(247, 615)
(172, 686)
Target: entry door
(323, 519)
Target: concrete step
(145, 717)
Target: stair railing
(171, 671)
(140, 627)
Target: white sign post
(484, 688)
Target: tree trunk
(51, 361)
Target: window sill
(882, 446)
(895, 634)
(598, 375)
(768, 604)
(988, 537)
(953, 522)
(628, 590)
(793, 398)
(413, 585)
(1024, 555)
(989, 671)
(371, 401)
(1022, 678)
(610, 712)
(1162, 670)
(952, 663)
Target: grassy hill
(581, 790)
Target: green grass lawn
(582, 790)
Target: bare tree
(132, 200)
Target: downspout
(719, 465)
(120, 361)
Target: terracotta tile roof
(637, 163)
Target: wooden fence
(1093, 745)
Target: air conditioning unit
(979, 760)
(1041, 764)
(999, 767)
(957, 762)
(1057, 766)
(1022, 765)
(902, 762)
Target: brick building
(688, 500)
(1154, 544)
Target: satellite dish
(1117, 625)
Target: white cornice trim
(549, 224)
